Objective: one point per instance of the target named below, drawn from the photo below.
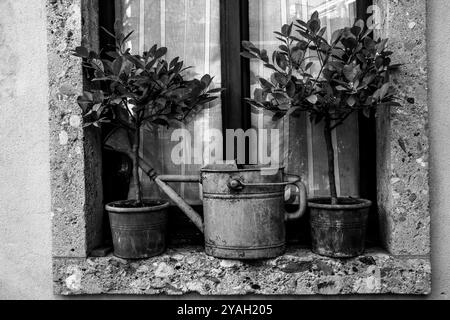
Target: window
(303, 145)
(207, 34)
(189, 29)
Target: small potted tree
(330, 81)
(133, 92)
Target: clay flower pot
(339, 231)
(138, 233)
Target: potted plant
(330, 81)
(134, 92)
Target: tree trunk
(137, 182)
(330, 153)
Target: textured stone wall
(403, 145)
(75, 152)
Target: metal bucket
(138, 233)
(339, 231)
(244, 212)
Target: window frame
(235, 69)
(236, 113)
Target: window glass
(189, 29)
(303, 149)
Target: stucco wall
(25, 227)
(25, 236)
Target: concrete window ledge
(298, 272)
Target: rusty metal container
(339, 231)
(138, 233)
(244, 212)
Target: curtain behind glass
(189, 29)
(303, 149)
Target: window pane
(189, 29)
(302, 149)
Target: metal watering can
(244, 209)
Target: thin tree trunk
(330, 153)
(137, 182)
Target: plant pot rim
(160, 206)
(361, 204)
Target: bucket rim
(361, 204)
(162, 204)
(246, 168)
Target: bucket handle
(237, 184)
(303, 194)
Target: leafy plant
(330, 80)
(137, 91)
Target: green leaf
(266, 84)
(217, 90)
(351, 101)
(290, 89)
(279, 96)
(81, 52)
(248, 45)
(384, 90)
(312, 99)
(248, 55)
(284, 48)
(286, 30)
(351, 72)
(297, 55)
(281, 60)
(336, 36)
(270, 66)
(280, 79)
(117, 66)
(160, 52)
(314, 25)
(127, 36)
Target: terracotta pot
(339, 231)
(138, 233)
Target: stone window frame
(403, 189)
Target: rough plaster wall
(25, 234)
(439, 83)
(25, 251)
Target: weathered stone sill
(189, 270)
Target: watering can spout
(183, 205)
(162, 181)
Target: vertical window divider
(234, 27)
(286, 120)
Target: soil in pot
(339, 231)
(138, 232)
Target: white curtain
(189, 29)
(303, 150)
